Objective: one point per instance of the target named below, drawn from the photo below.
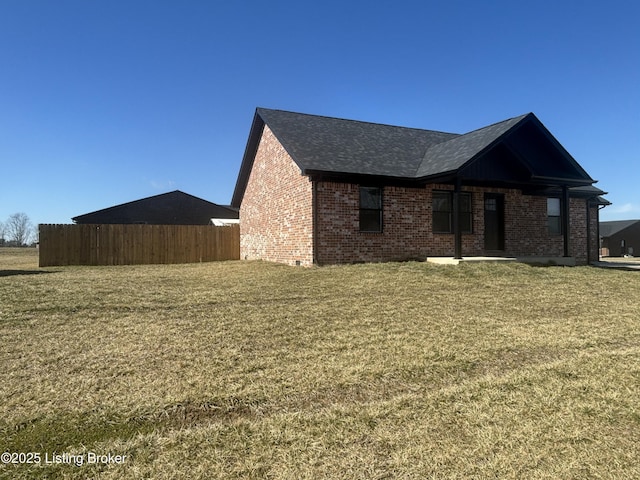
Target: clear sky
(107, 101)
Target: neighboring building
(319, 190)
(619, 238)
(173, 208)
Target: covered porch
(526, 158)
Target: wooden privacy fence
(137, 244)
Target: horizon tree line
(17, 231)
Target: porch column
(588, 202)
(565, 219)
(457, 233)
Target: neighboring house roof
(608, 229)
(173, 208)
(518, 150)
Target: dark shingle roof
(589, 191)
(327, 144)
(611, 228)
(340, 147)
(337, 145)
(172, 208)
(452, 154)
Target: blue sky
(104, 102)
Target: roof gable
(546, 158)
(518, 150)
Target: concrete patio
(560, 261)
(621, 263)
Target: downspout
(588, 201)
(599, 239)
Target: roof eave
(561, 181)
(362, 178)
(441, 177)
(257, 127)
(600, 200)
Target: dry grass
(256, 370)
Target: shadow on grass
(65, 432)
(68, 431)
(11, 273)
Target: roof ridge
(357, 121)
(517, 117)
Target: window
(370, 209)
(553, 216)
(442, 209)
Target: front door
(493, 221)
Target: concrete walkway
(619, 263)
(606, 262)
(564, 261)
(456, 261)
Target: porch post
(457, 233)
(565, 219)
(588, 202)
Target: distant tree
(18, 229)
(1, 233)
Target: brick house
(620, 237)
(320, 190)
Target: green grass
(258, 370)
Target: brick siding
(407, 223)
(405, 232)
(276, 221)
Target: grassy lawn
(257, 370)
